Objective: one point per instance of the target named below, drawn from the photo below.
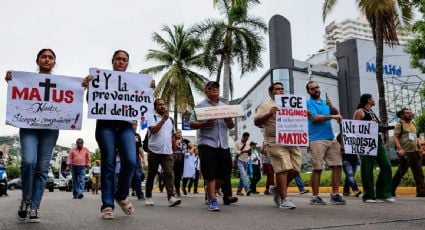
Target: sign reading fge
(114, 95)
(291, 120)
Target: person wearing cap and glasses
(214, 152)
(286, 160)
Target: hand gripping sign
(44, 101)
(114, 95)
(291, 120)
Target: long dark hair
(364, 99)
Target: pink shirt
(79, 157)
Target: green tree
(236, 37)
(416, 46)
(95, 156)
(180, 53)
(384, 16)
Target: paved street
(60, 211)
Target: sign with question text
(291, 120)
(114, 95)
(360, 137)
(44, 101)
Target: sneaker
(23, 211)
(149, 202)
(80, 196)
(213, 205)
(133, 194)
(304, 191)
(287, 204)
(389, 200)
(229, 200)
(239, 193)
(248, 193)
(317, 200)
(357, 194)
(337, 199)
(141, 197)
(276, 196)
(34, 216)
(370, 201)
(173, 201)
(346, 194)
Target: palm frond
(327, 8)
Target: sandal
(108, 214)
(126, 206)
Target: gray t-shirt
(215, 136)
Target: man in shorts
(214, 152)
(323, 146)
(286, 160)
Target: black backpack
(146, 140)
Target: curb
(401, 191)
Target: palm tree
(180, 51)
(234, 38)
(384, 16)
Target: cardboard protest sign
(291, 120)
(215, 112)
(44, 101)
(114, 95)
(360, 137)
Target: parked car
(14, 184)
(50, 180)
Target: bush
(13, 171)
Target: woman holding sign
(115, 137)
(36, 151)
(383, 184)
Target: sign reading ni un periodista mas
(115, 95)
(291, 120)
(44, 101)
(360, 137)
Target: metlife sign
(390, 69)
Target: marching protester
(115, 136)
(268, 170)
(79, 163)
(214, 152)
(182, 146)
(36, 151)
(323, 146)
(161, 146)
(286, 160)
(255, 162)
(95, 172)
(349, 165)
(408, 150)
(189, 168)
(242, 150)
(194, 181)
(383, 184)
(136, 182)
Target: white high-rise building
(355, 28)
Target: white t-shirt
(161, 142)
